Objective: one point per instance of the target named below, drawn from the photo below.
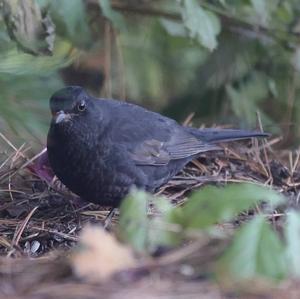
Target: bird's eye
(81, 106)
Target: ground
(40, 223)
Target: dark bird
(100, 148)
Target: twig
(183, 252)
(29, 161)
(60, 234)
(20, 231)
(10, 144)
(264, 150)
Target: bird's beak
(60, 116)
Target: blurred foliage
(255, 249)
(213, 205)
(142, 232)
(222, 59)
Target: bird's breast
(96, 172)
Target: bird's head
(69, 103)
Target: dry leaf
(100, 255)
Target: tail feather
(222, 135)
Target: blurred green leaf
(212, 205)
(24, 104)
(284, 13)
(230, 62)
(115, 17)
(173, 28)
(264, 10)
(246, 97)
(33, 31)
(256, 250)
(160, 228)
(202, 24)
(223, 2)
(159, 52)
(71, 21)
(133, 222)
(15, 62)
(145, 233)
(292, 236)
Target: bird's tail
(223, 135)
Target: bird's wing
(181, 145)
(150, 138)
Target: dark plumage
(100, 148)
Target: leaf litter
(41, 221)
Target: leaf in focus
(292, 236)
(211, 205)
(146, 233)
(202, 24)
(115, 17)
(256, 250)
(33, 31)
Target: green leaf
(223, 2)
(133, 222)
(201, 24)
(32, 30)
(24, 112)
(115, 17)
(211, 205)
(246, 97)
(71, 21)
(230, 62)
(256, 250)
(159, 52)
(160, 233)
(292, 236)
(145, 233)
(264, 10)
(15, 62)
(174, 28)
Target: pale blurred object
(100, 256)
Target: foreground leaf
(99, 255)
(211, 204)
(161, 231)
(133, 222)
(292, 235)
(255, 251)
(146, 233)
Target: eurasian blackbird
(100, 148)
